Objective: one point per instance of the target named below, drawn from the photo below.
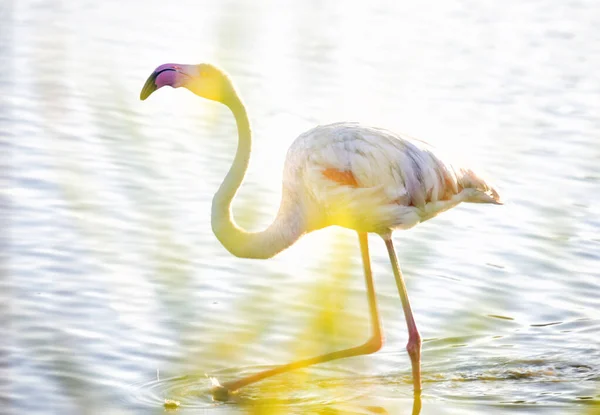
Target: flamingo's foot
(219, 393)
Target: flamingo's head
(204, 80)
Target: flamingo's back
(373, 180)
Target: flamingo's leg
(371, 346)
(414, 338)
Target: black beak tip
(147, 91)
(149, 87)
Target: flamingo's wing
(355, 175)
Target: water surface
(116, 295)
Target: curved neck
(288, 225)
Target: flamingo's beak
(151, 85)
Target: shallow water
(116, 295)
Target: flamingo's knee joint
(414, 346)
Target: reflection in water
(416, 405)
(193, 392)
(513, 383)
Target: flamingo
(366, 179)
